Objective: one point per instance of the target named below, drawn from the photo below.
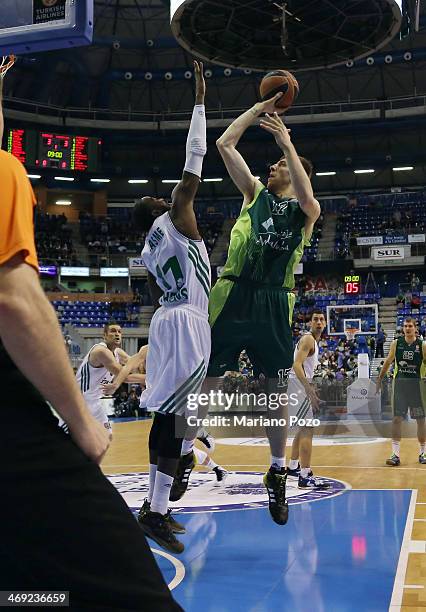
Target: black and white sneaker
(275, 482)
(180, 483)
(221, 474)
(294, 473)
(207, 439)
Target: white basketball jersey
(310, 363)
(180, 265)
(90, 379)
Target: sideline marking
(398, 586)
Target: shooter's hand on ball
(200, 84)
(274, 125)
(268, 106)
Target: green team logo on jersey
(171, 277)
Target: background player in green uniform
(408, 353)
(252, 303)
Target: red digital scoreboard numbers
(352, 284)
(63, 152)
(16, 145)
(55, 151)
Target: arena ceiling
(371, 112)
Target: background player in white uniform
(137, 363)
(300, 383)
(103, 361)
(179, 335)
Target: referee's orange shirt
(17, 203)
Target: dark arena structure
(97, 100)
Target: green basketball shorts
(406, 395)
(253, 317)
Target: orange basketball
(279, 80)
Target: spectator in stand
(396, 217)
(371, 341)
(415, 302)
(133, 403)
(381, 339)
(400, 299)
(415, 282)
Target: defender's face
(279, 176)
(318, 323)
(158, 206)
(113, 335)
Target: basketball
(276, 81)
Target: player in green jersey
(408, 353)
(252, 303)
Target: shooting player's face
(279, 176)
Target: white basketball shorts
(178, 356)
(299, 404)
(99, 412)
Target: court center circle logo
(240, 491)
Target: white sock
(152, 473)
(187, 447)
(422, 449)
(304, 472)
(395, 447)
(293, 464)
(211, 464)
(200, 455)
(161, 494)
(278, 462)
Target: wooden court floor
(360, 465)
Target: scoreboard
(352, 284)
(56, 151)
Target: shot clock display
(56, 151)
(352, 284)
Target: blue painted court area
(338, 554)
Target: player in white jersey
(308, 403)
(103, 361)
(179, 335)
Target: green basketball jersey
(267, 240)
(408, 358)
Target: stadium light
(401, 168)
(212, 180)
(64, 178)
(100, 180)
(34, 176)
(331, 173)
(138, 181)
(63, 202)
(173, 181)
(368, 171)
